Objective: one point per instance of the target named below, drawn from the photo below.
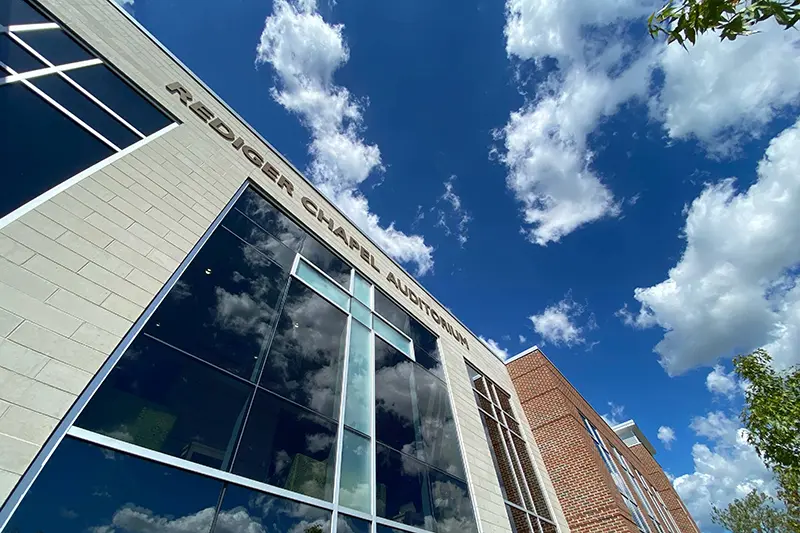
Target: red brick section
(585, 488)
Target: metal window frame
(63, 428)
(75, 84)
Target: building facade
(606, 478)
(194, 339)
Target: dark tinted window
(392, 312)
(452, 508)
(68, 96)
(327, 261)
(403, 494)
(304, 362)
(437, 425)
(161, 399)
(288, 446)
(19, 12)
(432, 364)
(17, 57)
(247, 511)
(119, 96)
(263, 213)
(223, 307)
(26, 172)
(423, 338)
(263, 241)
(86, 488)
(56, 46)
(394, 403)
(348, 524)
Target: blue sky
(555, 177)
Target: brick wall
(585, 488)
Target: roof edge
(636, 431)
(522, 354)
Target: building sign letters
(252, 155)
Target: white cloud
(722, 92)
(718, 382)
(461, 215)
(616, 416)
(546, 141)
(305, 52)
(557, 324)
(725, 467)
(666, 435)
(495, 348)
(522, 339)
(735, 287)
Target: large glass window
(622, 486)
(520, 486)
(55, 92)
(290, 409)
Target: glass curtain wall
(63, 109)
(622, 486)
(524, 498)
(268, 391)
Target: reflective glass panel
(392, 312)
(68, 96)
(322, 285)
(348, 524)
(56, 46)
(361, 313)
(326, 261)
(431, 364)
(161, 399)
(391, 335)
(86, 488)
(362, 290)
(248, 511)
(223, 307)
(259, 210)
(19, 12)
(264, 242)
(437, 425)
(288, 446)
(402, 491)
(357, 406)
(387, 529)
(305, 360)
(128, 103)
(354, 489)
(452, 508)
(17, 57)
(394, 407)
(483, 403)
(423, 338)
(26, 174)
(517, 469)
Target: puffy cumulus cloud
(305, 52)
(666, 435)
(501, 353)
(735, 287)
(545, 143)
(722, 92)
(720, 383)
(558, 323)
(725, 467)
(615, 416)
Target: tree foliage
(684, 20)
(772, 418)
(755, 513)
